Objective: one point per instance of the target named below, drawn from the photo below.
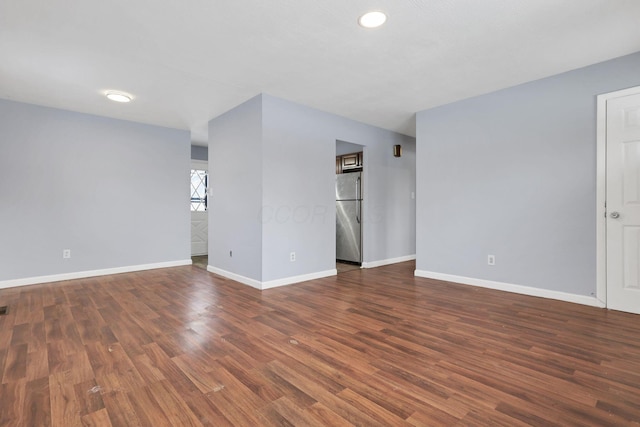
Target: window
(199, 184)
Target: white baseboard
(90, 273)
(271, 283)
(297, 279)
(388, 261)
(518, 289)
(233, 276)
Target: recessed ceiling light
(372, 19)
(119, 96)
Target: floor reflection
(200, 261)
(343, 267)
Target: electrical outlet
(292, 256)
(66, 253)
(491, 259)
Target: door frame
(197, 164)
(601, 190)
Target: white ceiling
(187, 62)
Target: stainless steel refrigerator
(349, 217)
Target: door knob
(614, 215)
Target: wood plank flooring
(373, 347)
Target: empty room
(320, 213)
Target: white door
(199, 205)
(623, 203)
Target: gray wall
(343, 147)
(513, 173)
(199, 153)
(235, 171)
(114, 192)
(299, 194)
(293, 165)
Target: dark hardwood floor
(183, 347)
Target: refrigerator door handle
(358, 200)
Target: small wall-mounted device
(397, 150)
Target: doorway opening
(350, 225)
(199, 213)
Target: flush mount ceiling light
(372, 19)
(119, 96)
